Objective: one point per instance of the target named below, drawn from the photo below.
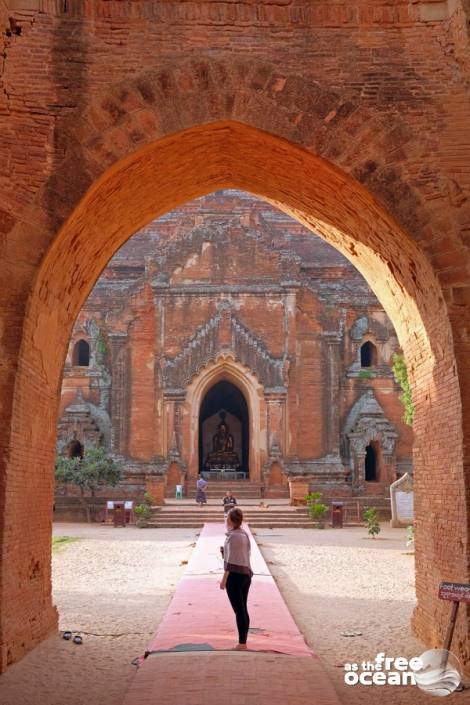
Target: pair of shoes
(77, 639)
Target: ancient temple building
(224, 339)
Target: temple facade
(226, 339)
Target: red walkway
(200, 616)
(190, 656)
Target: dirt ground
(114, 585)
(339, 580)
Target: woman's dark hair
(236, 517)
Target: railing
(223, 474)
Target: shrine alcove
(224, 429)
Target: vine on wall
(401, 376)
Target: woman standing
(201, 485)
(237, 573)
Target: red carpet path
(190, 658)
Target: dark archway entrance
(371, 463)
(224, 430)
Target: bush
(97, 467)
(316, 509)
(366, 374)
(372, 521)
(143, 511)
(148, 499)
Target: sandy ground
(114, 585)
(337, 580)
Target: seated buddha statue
(223, 453)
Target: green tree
(372, 521)
(97, 467)
(401, 376)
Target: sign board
(404, 502)
(401, 501)
(456, 592)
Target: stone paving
(231, 678)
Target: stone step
(274, 524)
(205, 513)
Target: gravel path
(114, 585)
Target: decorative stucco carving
(207, 344)
(86, 422)
(364, 325)
(367, 422)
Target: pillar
(332, 341)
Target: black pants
(237, 588)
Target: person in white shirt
(237, 573)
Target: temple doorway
(224, 432)
(371, 463)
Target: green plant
(372, 521)
(410, 535)
(59, 541)
(97, 467)
(143, 512)
(366, 374)
(101, 344)
(316, 509)
(148, 499)
(400, 373)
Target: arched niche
(224, 405)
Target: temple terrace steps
(262, 514)
(272, 517)
(275, 512)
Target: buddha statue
(223, 453)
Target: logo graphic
(438, 672)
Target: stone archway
(226, 369)
(152, 181)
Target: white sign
(401, 498)
(404, 502)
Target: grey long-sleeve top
(237, 551)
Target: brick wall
(377, 97)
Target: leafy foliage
(148, 499)
(316, 509)
(372, 521)
(401, 376)
(410, 535)
(366, 374)
(97, 467)
(101, 349)
(143, 511)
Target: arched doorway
(153, 180)
(224, 430)
(371, 463)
